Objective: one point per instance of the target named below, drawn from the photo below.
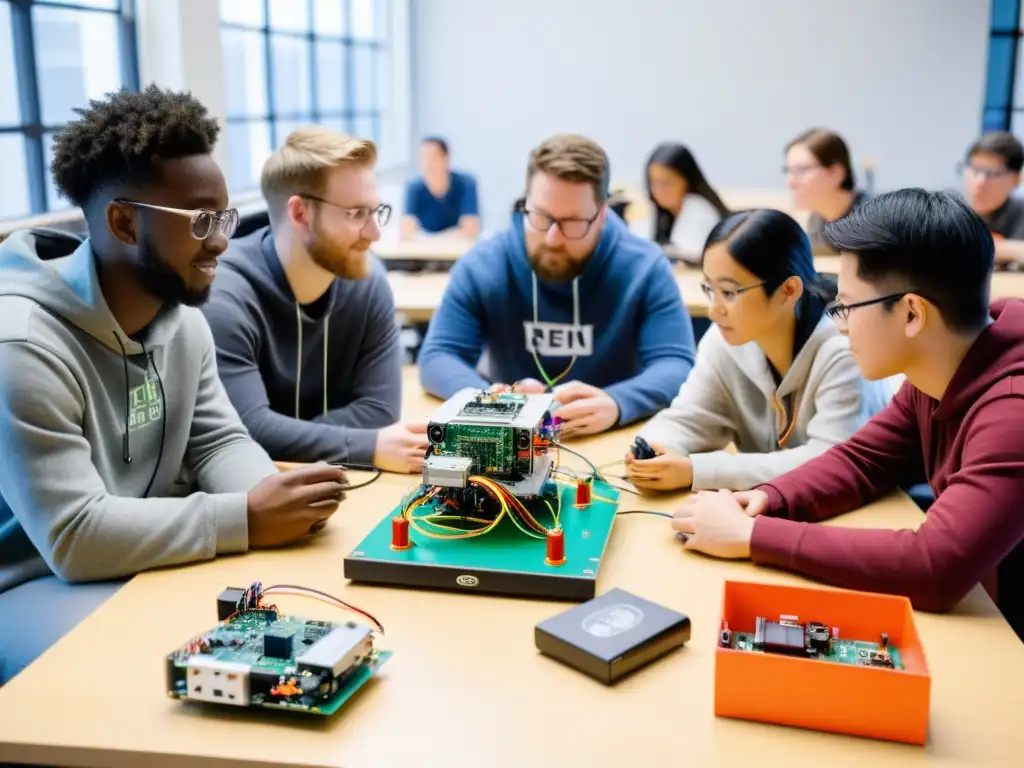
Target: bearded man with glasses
(566, 300)
(122, 452)
(303, 315)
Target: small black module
(612, 635)
(227, 602)
(277, 643)
(784, 638)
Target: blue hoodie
(631, 332)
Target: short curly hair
(122, 138)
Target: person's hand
(285, 507)
(586, 410)
(401, 447)
(753, 502)
(716, 524)
(523, 386)
(665, 472)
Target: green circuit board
(230, 664)
(841, 651)
(492, 449)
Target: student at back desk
(991, 174)
(441, 201)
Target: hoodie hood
(58, 272)
(997, 354)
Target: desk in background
(466, 686)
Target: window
(55, 55)
(1001, 112)
(294, 62)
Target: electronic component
(612, 635)
(218, 681)
(813, 640)
(343, 647)
(228, 602)
(277, 643)
(447, 471)
(642, 450)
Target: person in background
(991, 174)
(774, 377)
(441, 201)
(820, 175)
(913, 298)
(122, 452)
(567, 289)
(303, 316)
(686, 208)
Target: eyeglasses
(571, 228)
(203, 220)
(727, 295)
(988, 174)
(840, 313)
(356, 215)
(798, 170)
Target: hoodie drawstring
(298, 361)
(126, 455)
(576, 324)
(781, 409)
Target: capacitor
(582, 494)
(725, 639)
(400, 533)
(885, 639)
(555, 547)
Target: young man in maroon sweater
(913, 299)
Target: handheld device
(642, 449)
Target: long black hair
(681, 160)
(772, 246)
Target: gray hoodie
(119, 455)
(731, 397)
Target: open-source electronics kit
(257, 657)
(825, 659)
(494, 512)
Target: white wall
(902, 80)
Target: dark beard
(562, 273)
(160, 280)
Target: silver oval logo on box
(613, 620)
(466, 580)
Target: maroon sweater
(972, 445)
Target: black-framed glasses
(728, 295)
(839, 312)
(571, 228)
(356, 215)
(203, 221)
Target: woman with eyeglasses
(820, 175)
(774, 377)
(686, 207)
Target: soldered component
(343, 647)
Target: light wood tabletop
(418, 295)
(466, 686)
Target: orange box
(876, 702)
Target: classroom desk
(423, 249)
(466, 686)
(417, 295)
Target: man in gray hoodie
(121, 450)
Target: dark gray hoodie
(118, 455)
(309, 386)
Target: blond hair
(572, 158)
(302, 163)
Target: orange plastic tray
(875, 702)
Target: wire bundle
(447, 521)
(252, 600)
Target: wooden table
(466, 686)
(418, 295)
(423, 249)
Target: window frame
(349, 114)
(1005, 25)
(31, 128)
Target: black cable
(364, 467)
(644, 512)
(577, 454)
(365, 483)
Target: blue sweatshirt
(631, 334)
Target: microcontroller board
(812, 640)
(259, 658)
